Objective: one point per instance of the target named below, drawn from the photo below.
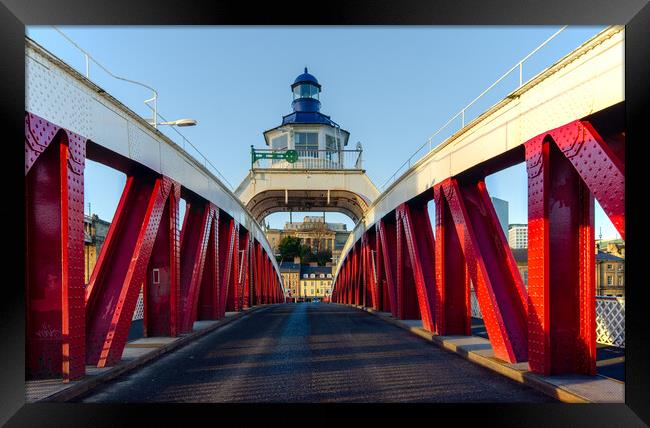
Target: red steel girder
(195, 235)
(387, 233)
(561, 262)
(208, 304)
(161, 293)
(250, 273)
(242, 283)
(492, 268)
(598, 164)
(452, 306)
(382, 287)
(415, 237)
(227, 233)
(371, 271)
(115, 283)
(356, 274)
(54, 250)
(259, 276)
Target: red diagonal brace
(248, 268)
(227, 240)
(452, 291)
(415, 237)
(194, 243)
(371, 269)
(386, 229)
(234, 294)
(493, 271)
(54, 274)
(208, 306)
(597, 164)
(259, 274)
(162, 289)
(115, 283)
(242, 280)
(561, 262)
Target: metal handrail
(305, 155)
(88, 58)
(519, 65)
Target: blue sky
(391, 87)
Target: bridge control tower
(307, 165)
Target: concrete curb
(85, 385)
(524, 377)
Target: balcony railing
(306, 159)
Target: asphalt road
(312, 352)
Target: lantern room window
(305, 90)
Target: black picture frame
(16, 14)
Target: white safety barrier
(610, 319)
(138, 314)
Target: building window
(279, 143)
(322, 275)
(312, 275)
(610, 267)
(305, 275)
(329, 275)
(610, 280)
(307, 144)
(332, 147)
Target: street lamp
(179, 122)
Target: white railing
(154, 100)
(138, 314)
(610, 319)
(461, 114)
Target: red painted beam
(244, 240)
(599, 165)
(115, 283)
(259, 276)
(54, 250)
(561, 261)
(162, 290)
(492, 269)
(387, 232)
(371, 269)
(452, 290)
(416, 246)
(227, 232)
(208, 303)
(194, 243)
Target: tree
(289, 248)
(324, 257)
(306, 254)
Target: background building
(95, 231)
(501, 208)
(612, 246)
(313, 232)
(518, 236)
(290, 272)
(315, 282)
(610, 275)
(521, 258)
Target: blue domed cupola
(305, 93)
